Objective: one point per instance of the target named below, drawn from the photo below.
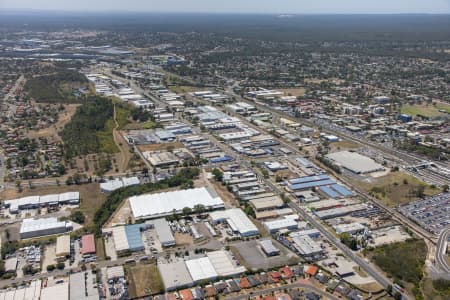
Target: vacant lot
(425, 110)
(52, 132)
(344, 145)
(294, 92)
(160, 147)
(253, 258)
(403, 261)
(181, 89)
(144, 280)
(395, 188)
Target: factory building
(163, 231)
(88, 244)
(33, 202)
(352, 228)
(355, 162)
(280, 224)
(237, 220)
(111, 185)
(223, 264)
(175, 275)
(32, 228)
(151, 206)
(63, 246)
(339, 211)
(306, 246)
(128, 238)
(58, 291)
(201, 269)
(267, 203)
(268, 248)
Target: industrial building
(268, 248)
(128, 238)
(339, 211)
(201, 269)
(237, 220)
(111, 185)
(306, 246)
(175, 275)
(223, 264)
(163, 231)
(25, 292)
(33, 202)
(32, 228)
(267, 203)
(82, 286)
(58, 291)
(116, 272)
(88, 244)
(352, 228)
(280, 224)
(151, 206)
(63, 246)
(355, 162)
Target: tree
(78, 217)
(199, 209)
(218, 175)
(445, 188)
(187, 211)
(60, 266)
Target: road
(283, 287)
(441, 251)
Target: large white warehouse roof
(200, 269)
(237, 220)
(162, 204)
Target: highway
(283, 287)
(441, 251)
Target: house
(311, 270)
(244, 283)
(209, 291)
(286, 273)
(275, 276)
(186, 294)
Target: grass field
(294, 91)
(395, 188)
(436, 289)
(342, 145)
(425, 110)
(100, 247)
(407, 270)
(106, 138)
(181, 89)
(144, 280)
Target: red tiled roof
(311, 270)
(186, 294)
(88, 244)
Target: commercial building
(151, 206)
(201, 269)
(223, 264)
(163, 231)
(32, 228)
(128, 238)
(237, 220)
(355, 162)
(10, 265)
(268, 248)
(88, 244)
(63, 246)
(175, 275)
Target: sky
(238, 6)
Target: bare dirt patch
(160, 147)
